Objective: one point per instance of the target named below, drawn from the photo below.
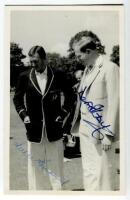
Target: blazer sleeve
(69, 103)
(112, 84)
(19, 96)
(69, 94)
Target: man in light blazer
(99, 107)
(43, 116)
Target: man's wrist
(22, 114)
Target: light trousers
(98, 165)
(45, 165)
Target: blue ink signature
(94, 110)
(40, 163)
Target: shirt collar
(98, 63)
(44, 73)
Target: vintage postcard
(64, 85)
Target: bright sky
(53, 29)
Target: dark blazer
(43, 110)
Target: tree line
(67, 64)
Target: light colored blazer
(102, 87)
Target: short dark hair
(100, 48)
(37, 49)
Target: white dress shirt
(42, 80)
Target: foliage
(67, 64)
(16, 65)
(115, 56)
(16, 54)
(54, 60)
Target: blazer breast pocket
(55, 94)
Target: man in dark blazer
(43, 116)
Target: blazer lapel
(88, 80)
(33, 79)
(50, 77)
(91, 77)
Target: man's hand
(59, 119)
(106, 142)
(26, 120)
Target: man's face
(78, 75)
(84, 51)
(37, 63)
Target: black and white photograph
(66, 101)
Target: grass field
(18, 160)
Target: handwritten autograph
(95, 111)
(40, 163)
